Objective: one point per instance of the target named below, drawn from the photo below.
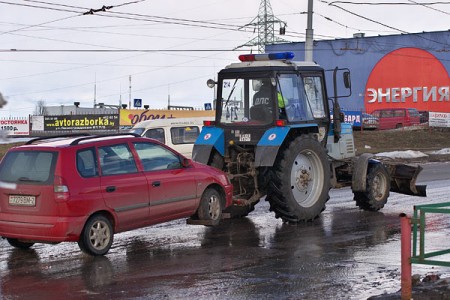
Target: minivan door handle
(110, 189)
(156, 183)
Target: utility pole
(168, 96)
(129, 93)
(309, 42)
(264, 23)
(95, 90)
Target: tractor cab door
(303, 97)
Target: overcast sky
(63, 55)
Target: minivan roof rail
(43, 138)
(81, 137)
(78, 140)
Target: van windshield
(28, 167)
(137, 130)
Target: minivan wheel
(211, 205)
(97, 236)
(19, 244)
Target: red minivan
(390, 118)
(87, 188)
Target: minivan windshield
(28, 167)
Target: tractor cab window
(292, 102)
(313, 92)
(249, 101)
(300, 97)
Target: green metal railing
(419, 224)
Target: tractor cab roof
(281, 60)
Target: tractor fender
(359, 175)
(210, 138)
(267, 147)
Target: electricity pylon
(265, 24)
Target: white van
(177, 133)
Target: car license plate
(19, 200)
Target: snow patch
(403, 154)
(442, 151)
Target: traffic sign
(137, 102)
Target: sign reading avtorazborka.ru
(80, 122)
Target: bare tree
(40, 109)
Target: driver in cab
(262, 100)
(262, 104)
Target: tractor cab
(268, 90)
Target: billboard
(130, 117)
(408, 77)
(15, 127)
(81, 122)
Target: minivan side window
(184, 135)
(116, 159)
(413, 112)
(156, 157)
(86, 163)
(157, 134)
(399, 113)
(387, 113)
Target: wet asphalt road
(345, 254)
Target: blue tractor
(275, 137)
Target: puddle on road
(345, 254)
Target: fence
(419, 225)
(419, 254)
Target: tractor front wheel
(377, 193)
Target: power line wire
(432, 8)
(379, 23)
(389, 3)
(118, 50)
(103, 12)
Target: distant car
(390, 118)
(424, 116)
(87, 188)
(369, 122)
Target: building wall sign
(130, 117)
(81, 122)
(439, 119)
(408, 77)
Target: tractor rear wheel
(300, 181)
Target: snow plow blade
(403, 180)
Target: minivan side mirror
(186, 162)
